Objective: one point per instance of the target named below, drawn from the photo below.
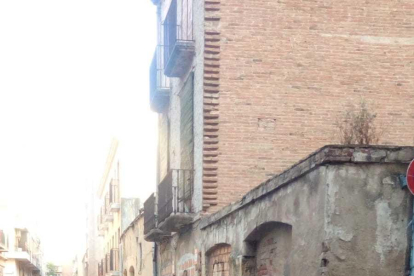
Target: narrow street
(206, 138)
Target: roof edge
(329, 154)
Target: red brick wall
(219, 261)
(273, 252)
(287, 69)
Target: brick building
(244, 89)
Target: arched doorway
(271, 243)
(131, 271)
(218, 260)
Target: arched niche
(218, 260)
(131, 271)
(268, 249)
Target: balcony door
(185, 179)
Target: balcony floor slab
(176, 221)
(180, 59)
(155, 235)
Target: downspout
(412, 245)
(155, 266)
(404, 183)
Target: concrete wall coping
(330, 154)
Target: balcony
(108, 216)
(151, 232)
(102, 226)
(114, 198)
(174, 200)
(3, 245)
(26, 251)
(179, 46)
(160, 86)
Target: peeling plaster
(389, 235)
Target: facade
(137, 253)
(3, 249)
(246, 89)
(24, 256)
(341, 211)
(109, 216)
(91, 253)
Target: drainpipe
(412, 245)
(155, 267)
(404, 184)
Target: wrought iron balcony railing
(114, 198)
(149, 214)
(175, 194)
(160, 85)
(178, 37)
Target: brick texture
(282, 72)
(273, 252)
(211, 103)
(219, 261)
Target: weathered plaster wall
(348, 214)
(300, 204)
(198, 21)
(174, 110)
(366, 219)
(137, 253)
(339, 212)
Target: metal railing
(158, 81)
(149, 214)
(175, 193)
(107, 205)
(178, 25)
(114, 192)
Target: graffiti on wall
(187, 264)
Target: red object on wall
(410, 177)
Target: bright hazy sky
(73, 74)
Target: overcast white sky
(73, 74)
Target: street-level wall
(137, 254)
(341, 211)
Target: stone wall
(163, 145)
(341, 211)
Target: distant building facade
(24, 256)
(3, 249)
(109, 216)
(137, 253)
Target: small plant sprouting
(357, 125)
